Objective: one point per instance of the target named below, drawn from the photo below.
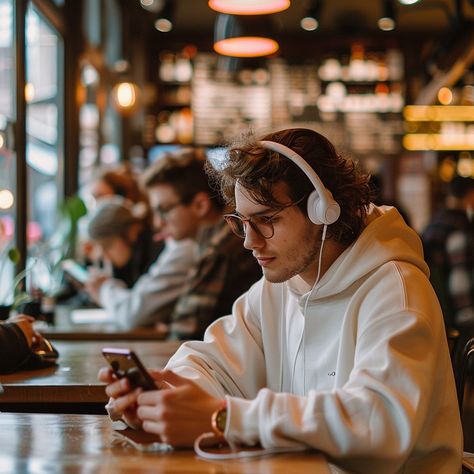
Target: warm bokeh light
(249, 7)
(439, 113)
(437, 141)
(125, 96)
(2, 140)
(164, 25)
(29, 92)
(465, 166)
(246, 47)
(445, 96)
(6, 199)
(447, 169)
(309, 23)
(386, 23)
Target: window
(43, 126)
(7, 155)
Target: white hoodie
(371, 384)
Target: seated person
(340, 347)
(185, 207)
(17, 336)
(118, 181)
(124, 238)
(110, 182)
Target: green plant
(13, 295)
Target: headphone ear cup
(313, 208)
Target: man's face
(294, 247)
(171, 217)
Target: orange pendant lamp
(249, 7)
(240, 36)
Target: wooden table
(74, 380)
(32, 443)
(93, 327)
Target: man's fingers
(121, 404)
(154, 427)
(119, 388)
(170, 378)
(106, 375)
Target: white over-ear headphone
(322, 208)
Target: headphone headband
(322, 208)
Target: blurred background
(86, 84)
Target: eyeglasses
(262, 225)
(163, 211)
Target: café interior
(94, 85)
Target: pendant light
(249, 7)
(240, 36)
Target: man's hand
(123, 400)
(178, 414)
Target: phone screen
(125, 363)
(75, 270)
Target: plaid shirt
(224, 271)
(449, 251)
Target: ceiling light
(164, 21)
(235, 36)
(163, 25)
(310, 21)
(387, 21)
(408, 2)
(249, 7)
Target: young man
(340, 347)
(203, 267)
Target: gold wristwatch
(219, 420)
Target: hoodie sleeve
(14, 348)
(154, 295)
(220, 363)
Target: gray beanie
(113, 216)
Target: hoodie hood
(385, 238)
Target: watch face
(221, 419)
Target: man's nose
(252, 238)
(158, 221)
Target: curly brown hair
(258, 170)
(185, 171)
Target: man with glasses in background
(203, 267)
(339, 348)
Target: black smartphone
(125, 363)
(75, 271)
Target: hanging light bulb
(124, 96)
(387, 21)
(164, 21)
(249, 7)
(310, 21)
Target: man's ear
(202, 204)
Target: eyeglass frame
(254, 227)
(163, 213)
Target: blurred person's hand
(94, 283)
(25, 323)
